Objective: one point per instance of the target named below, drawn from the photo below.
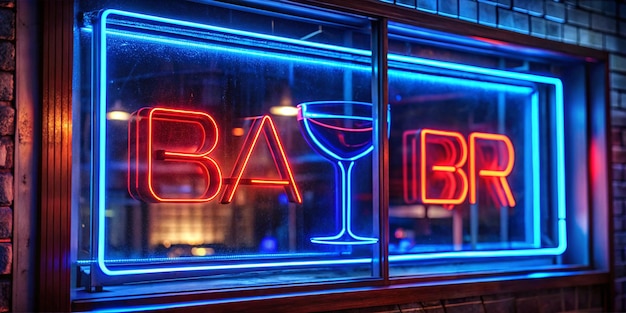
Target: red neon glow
(491, 157)
(174, 138)
(266, 126)
(269, 182)
(446, 170)
(409, 168)
(341, 129)
(132, 180)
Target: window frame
(55, 229)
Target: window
(477, 150)
(221, 146)
(218, 148)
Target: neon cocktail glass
(341, 131)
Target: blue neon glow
(451, 81)
(345, 236)
(236, 32)
(101, 116)
(480, 254)
(534, 128)
(345, 163)
(187, 268)
(101, 145)
(307, 115)
(242, 51)
(478, 70)
(560, 157)
(213, 258)
(102, 140)
(560, 150)
(198, 303)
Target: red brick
(7, 119)
(6, 152)
(6, 222)
(466, 307)
(415, 307)
(618, 118)
(620, 239)
(597, 295)
(7, 27)
(568, 298)
(526, 304)
(619, 256)
(6, 188)
(501, 305)
(6, 258)
(619, 154)
(616, 136)
(7, 3)
(6, 86)
(433, 307)
(583, 297)
(618, 171)
(5, 296)
(619, 189)
(618, 207)
(549, 303)
(7, 56)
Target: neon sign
(442, 155)
(151, 150)
(497, 154)
(263, 125)
(154, 147)
(342, 138)
(492, 157)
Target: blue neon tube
(102, 143)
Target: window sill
(345, 298)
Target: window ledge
(345, 298)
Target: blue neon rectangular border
(100, 196)
(560, 155)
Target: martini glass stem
(345, 181)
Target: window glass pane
(225, 142)
(477, 149)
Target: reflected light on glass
(238, 132)
(199, 251)
(118, 116)
(117, 113)
(284, 110)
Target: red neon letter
(169, 150)
(409, 168)
(266, 125)
(490, 149)
(443, 168)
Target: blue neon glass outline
(102, 130)
(346, 214)
(242, 51)
(101, 114)
(345, 174)
(534, 120)
(307, 126)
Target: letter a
(266, 126)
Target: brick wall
(7, 139)
(598, 24)
(586, 299)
